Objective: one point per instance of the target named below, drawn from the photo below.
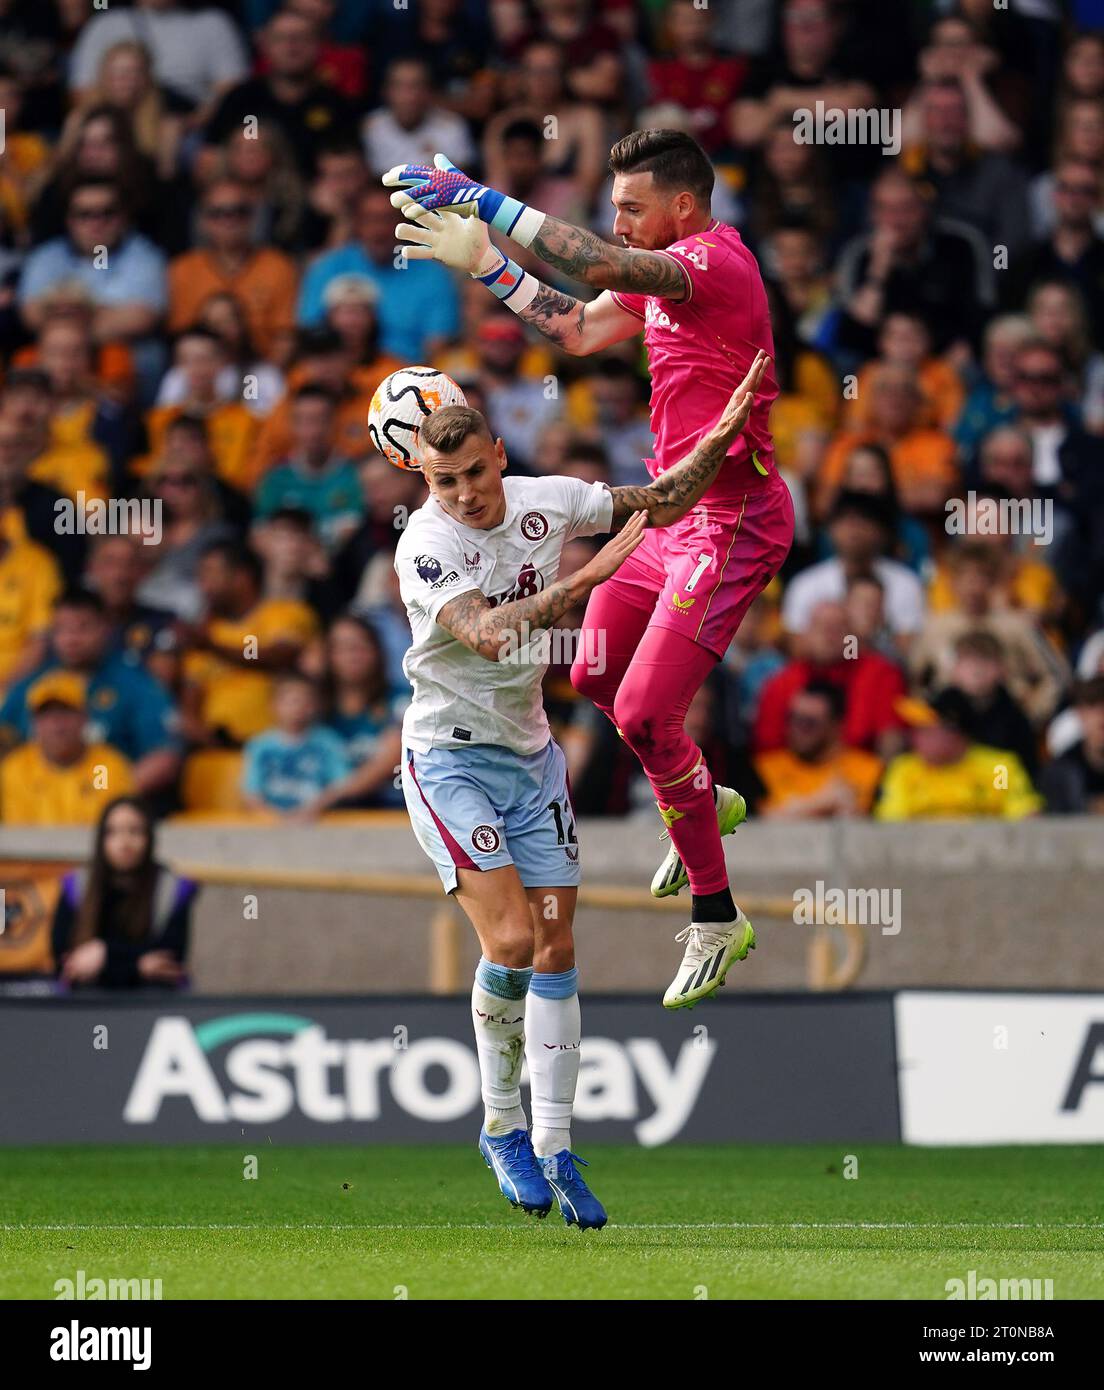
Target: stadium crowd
(199, 293)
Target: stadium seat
(212, 781)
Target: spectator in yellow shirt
(63, 461)
(815, 776)
(90, 417)
(232, 657)
(231, 427)
(30, 582)
(57, 778)
(946, 777)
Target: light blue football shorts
(485, 806)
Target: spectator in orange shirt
(1022, 576)
(925, 461)
(1036, 673)
(263, 280)
(326, 360)
(905, 341)
(231, 428)
(111, 364)
(26, 153)
(815, 776)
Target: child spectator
(290, 765)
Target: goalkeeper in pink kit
(674, 606)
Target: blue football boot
(510, 1157)
(578, 1205)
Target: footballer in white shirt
(485, 783)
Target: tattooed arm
(586, 257)
(674, 492)
(576, 327)
(492, 631)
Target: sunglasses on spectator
(1039, 378)
(1085, 190)
(808, 720)
(179, 480)
(226, 210)
(86, 214)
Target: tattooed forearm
(557, 316)
(588, 258)
(673, 493)
(472, 620)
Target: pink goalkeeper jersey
(701, 348)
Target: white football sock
(498, 1013)
(553, 1034)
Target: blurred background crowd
(199, 292)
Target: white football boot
(711, 947)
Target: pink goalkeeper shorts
(701, 575)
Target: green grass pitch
(720, 1222)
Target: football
(401, 404)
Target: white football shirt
(461, 698)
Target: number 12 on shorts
(704, 561)
(559, 815)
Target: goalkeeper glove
(462, 243)
(445, 186)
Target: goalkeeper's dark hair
(449, 425)
(675, 160)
